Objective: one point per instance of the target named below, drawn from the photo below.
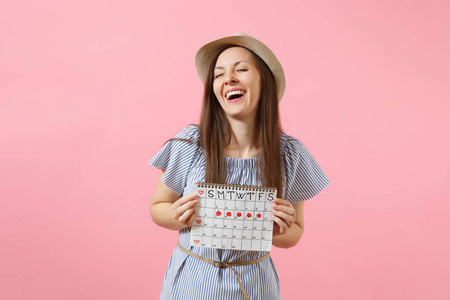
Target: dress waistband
(219, 264)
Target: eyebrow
(235, 64)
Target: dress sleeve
(176, 158)
(304, 177)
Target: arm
(170, 210)
(288, 223)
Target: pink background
(90, 90)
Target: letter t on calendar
(233, 217)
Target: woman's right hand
(184, 209)
(171, 211)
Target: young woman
(238, 141)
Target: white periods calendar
(233, 217)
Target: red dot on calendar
(218, 213)
(249, 215)
(228, 214)
(238, 214)
(258, 215)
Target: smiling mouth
(234, 94)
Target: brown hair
(215, 130)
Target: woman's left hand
(284, 216)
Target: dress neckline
(252, 158)
(241, 163)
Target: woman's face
(237, 83)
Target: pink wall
(90, 90)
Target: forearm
(289, 239)
(162, 215)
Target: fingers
(184, 209)
(281, 225)
(284, 214)
(287, 218)
(284, 209)
(187, 216)
(279, 201)
(191, 219)
(183, 204)
(184, 200)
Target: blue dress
(189, 278)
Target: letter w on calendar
(233, 217)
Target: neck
(241, 144)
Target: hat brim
(204, 56)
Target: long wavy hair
(215, 130)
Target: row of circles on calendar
(232, 214)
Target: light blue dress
(189, 278)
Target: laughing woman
(239, 141)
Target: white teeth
(237, 92)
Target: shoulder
(190, 132)
(185, 140)
(304, 177)
(294, 152)
(291, 144)
(178, 150)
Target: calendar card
(233, 217)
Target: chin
(239, 116)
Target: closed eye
(218, 75)
(243, 70)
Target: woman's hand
(169, 209)
(184, 209)
(284, 215)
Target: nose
(230, 78)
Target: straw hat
(204, 55)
